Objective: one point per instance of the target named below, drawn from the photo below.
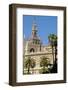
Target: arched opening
(32, 50)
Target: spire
(34, 26)
(34, 29)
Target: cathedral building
(34, 48)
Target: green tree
(44, 63)
(29, 63)
(53, 42)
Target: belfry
(34, 42)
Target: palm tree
(53, 42)
(44, 63)
(29, 63)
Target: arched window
(32, 50)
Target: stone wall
(37, 58)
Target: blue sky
(46, 25)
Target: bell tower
(33, 44)
(34, 30)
